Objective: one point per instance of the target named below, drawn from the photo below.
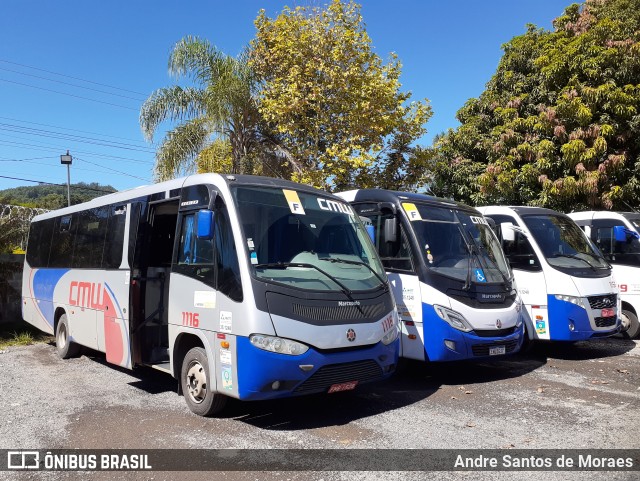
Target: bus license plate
(343, 386)
(496, 351)
(608, 313)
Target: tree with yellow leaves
(332, 102)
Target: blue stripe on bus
(561, 312)
(258, 369)
(44, 284)
(436, 330)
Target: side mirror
(391, 230)
(508, 233)
(620, 233)
(205, 224)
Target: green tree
(559, 123)
(219, 106)
(334, 104)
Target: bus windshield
(459, 245)
(562, 242)
(634, 220)
(306, 241)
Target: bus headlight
(391, 335)
(453, 318)
(572, 299)
(278, 344)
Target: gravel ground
(585, 395)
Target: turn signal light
(224, 344)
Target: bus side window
(114, 244)
(39, 245)
(226, 257)
(62, 241)
(395, 254)
(213, 261)
(518, 251)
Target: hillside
(53, 196)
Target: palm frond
(174, 103)
(180, 147)
(197, 59)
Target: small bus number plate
(496, 351)
(608, 313)
(344, 386)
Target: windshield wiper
(284, 265)
(355, 263)
(572, 256)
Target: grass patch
(21, 334)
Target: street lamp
(66, 159)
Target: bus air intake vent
(495, 332)
(605, 321)
(325, 313)
(327, 376)
(602, 302)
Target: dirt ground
(580, 396)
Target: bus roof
(396, 197)
(170, 185)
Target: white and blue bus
(455, 292)
(238, 286)
(566, 285)
(617, 236)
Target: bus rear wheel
(195, 376)
(64, 345)
(630, 325)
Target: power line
(73, 130)
(57, 147)
(29, 161)
(74, 78)
(138, 99)
(70, 95)
(77, 138)
(112, 170)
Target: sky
(74, 73)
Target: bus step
(159, 355)
(163, 366)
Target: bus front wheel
(195, 376)
(630, 325)
(65, 346)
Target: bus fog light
(278, 344)
(572, 326)
(276, 385)
(450, 344)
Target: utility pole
(66, 159)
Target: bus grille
(337, 313)
(326, 376)
(483, 349)
(602, 302)
(605, 321)
(494, 332)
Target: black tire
(194, 377)
(64, 345)
(527, 343)
(632, 330)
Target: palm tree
(220, 106)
